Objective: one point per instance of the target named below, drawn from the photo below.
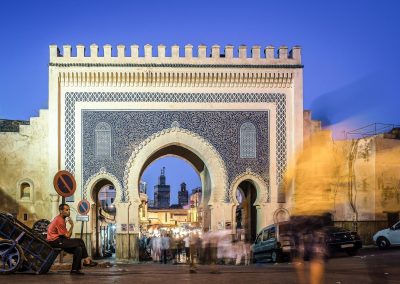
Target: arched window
(25, 190)
(248, 140)
(103, 140)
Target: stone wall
(24, 171)
(387, 182)
(309, 126)
(370, 187)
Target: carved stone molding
(102, 173)
(262, 182)
(145, 142)
(178, 79)
(281, 215)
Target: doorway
(246, 212)
(104, 226)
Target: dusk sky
(350, 49)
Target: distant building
(183, 195)
(150, 203)
(195, 201)
(107, 197)
(195, 197)
(143, 187)
(162, 194)
(197, 189)
(162, 218)
(175, 206)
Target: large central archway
(199, 153)
(188, 145)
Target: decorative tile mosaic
(228, 138)
(129, 128)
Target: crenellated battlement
(204, 55)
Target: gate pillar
(127, 232)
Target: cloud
(359, 98)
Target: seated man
(59, 237)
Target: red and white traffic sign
(83, 207)
(64, 183)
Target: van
(272, 243)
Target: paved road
(370, 266)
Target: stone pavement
(370, 266)
(159, 273)
(67, 263)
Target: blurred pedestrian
(165, 247)
(312, 183)
(180, 248)
(242, 250)
(193, 238)
(156, 249)
(173, 249)
(186, 241)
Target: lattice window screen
(103, 140)
(248, 140)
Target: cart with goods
(23, 249)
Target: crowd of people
(219, 247)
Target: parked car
(341, 239)
(272, 243)
(388, 237)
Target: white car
(388, 237)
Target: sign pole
(86, 234)
(82, 230)
(83, 209)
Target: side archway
(281, 215)
(100, 221)
(252, 207)
(94, 179)
(259, 183)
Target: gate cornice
(141, 76)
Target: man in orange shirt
(59, 237)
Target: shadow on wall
(358, 98)
(8, 203)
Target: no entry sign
(83, 207)
(64, 183)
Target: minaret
(161, 178)
(183, 195)
(162, 192)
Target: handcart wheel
(11, 257)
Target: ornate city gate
(236, 119)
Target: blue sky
(350, 48)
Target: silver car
(388, 237)
(272, 243)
